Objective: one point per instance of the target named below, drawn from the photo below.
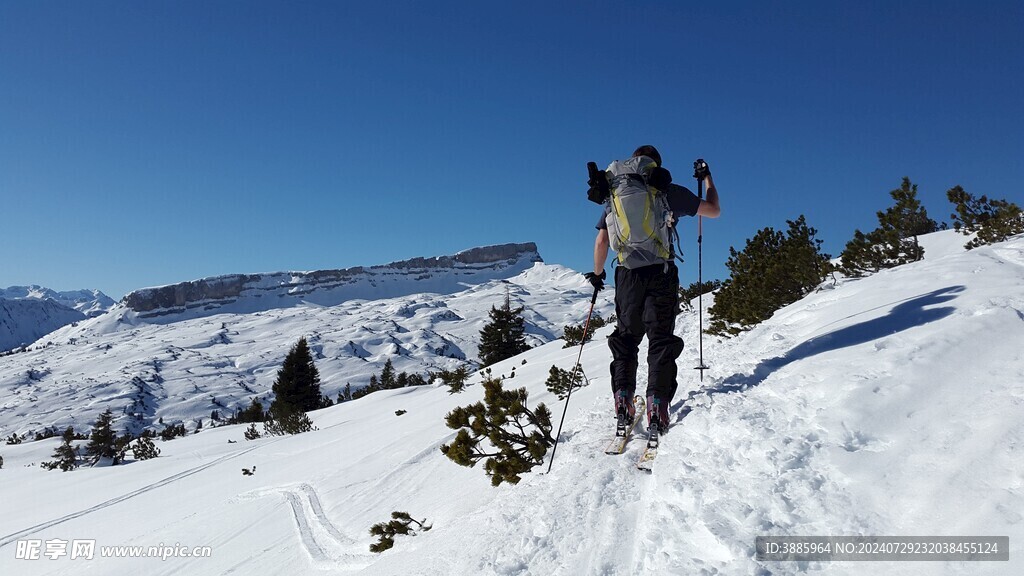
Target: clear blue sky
(146, 143)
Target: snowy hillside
(182, 362)
(23, 321)
(890, 405)
(30, 312)
(88, 302)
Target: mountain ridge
(184, 364)
(247, 293)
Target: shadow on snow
(911, 313)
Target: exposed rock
(254, 292)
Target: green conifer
(145, 449)
(66, 456)
(559, 380)
(517, 437)
(772, 271)
(102, 439)
(298, 381)
(400, 524)
(991, 220)
(504, 336)
(895, 241)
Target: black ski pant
(646, 302)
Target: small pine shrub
(173, 431)
(991, 220)
(573, 334)
(145, 449)
(517, 437)
(400, 524)
(455, 380)
(287, 419)
(559, 380)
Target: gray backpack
(639, 218)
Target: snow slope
(22, 321)
(181, 367)
(30, 312)
(890, 405)
(88, 302)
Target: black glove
(599, 190)
(700, 169)
(595, 280)
(660, 178)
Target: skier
(647, 297)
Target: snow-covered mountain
(889, 405)
(88, 302)
(181, 352)
(30, 312)
(247, 293)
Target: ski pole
(698, 172)
(572, 379)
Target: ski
(624, 429)
(646, 461)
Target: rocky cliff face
(246, 293)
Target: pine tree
(455, 380)
(298, 382)
(772, 271)
(504, 336)
(102, 439)
(65, 454)
(297, 391)
(400, 524)
(895, 241)
(173, 431)
(573, 334)
(558, 381)
(288, 420)
(387, 376)
(518, 437)
(145, 449)
(992, 220)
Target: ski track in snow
(323, 541)
(113, 501)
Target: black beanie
(649, 151)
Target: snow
(184, 369)
(29, 312)
(88, 302)
(888, 405)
